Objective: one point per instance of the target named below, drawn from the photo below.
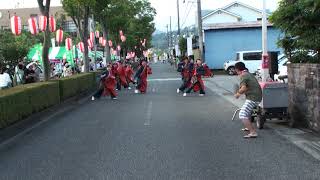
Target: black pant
(184, 85)
(199, 84)
(99, 92)
(119, 84)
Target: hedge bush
(20, 102)
(71, 86)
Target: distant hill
(158, 32)
(160, 39)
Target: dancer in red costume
(197, 82)
(142, 75)
(129, 75)
(121, 76)
(107, 85)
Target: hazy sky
(165, 9)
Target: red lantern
(121, 33)
(33, 26)
(52, 23)
(68, 44)
(123, 38)
(110, 43)
(59, 36)
(118, 47)
(92, 38)
(104, 43)
(43, 23)
(81, 46)
(16, 25)
(101, 40)
(90, 44)
(97, 34)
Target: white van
(252, 60)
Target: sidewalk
(303, 138)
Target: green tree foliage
(300, 22)
(79, 11)
(133, 17)
(13, 48)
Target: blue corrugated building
(236, 27)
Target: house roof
(242, 4)
(233, 25)
(224, 11)
(205, 13)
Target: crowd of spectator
(32, 72)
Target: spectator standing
(5, 80)
(19, 77)
(30, 74)
(67, 70)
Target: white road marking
(165, 79)
(149, 114)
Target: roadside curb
(304, 139)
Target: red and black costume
(186, 73)
(207, 71)
(107, 85)
(142, 75)
(129, 74)
(197, 82)
(121, 76)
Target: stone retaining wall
(304, 94)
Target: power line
(185, 20)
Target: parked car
(252, 60)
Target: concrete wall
(304, 94)
(221, 45)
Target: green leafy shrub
(71, 86)
(20, 102)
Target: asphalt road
(160, 135)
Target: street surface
(160, 135)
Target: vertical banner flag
(189, 46)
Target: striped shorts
(247, 108)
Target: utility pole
(178, 10)
(200, 30)
(265, 56)
(170, 35)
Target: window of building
(252, 56)
(5, 27)
(69, 26)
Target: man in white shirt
(5, 80)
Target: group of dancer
(192, 74)
(120, 75)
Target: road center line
(148, 115)
(165, 79)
